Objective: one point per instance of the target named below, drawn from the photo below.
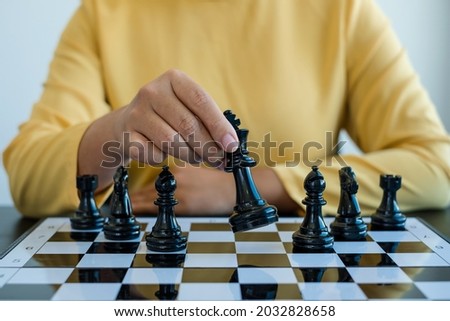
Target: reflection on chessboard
(55, 262)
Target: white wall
(423, 27)
(29, 31)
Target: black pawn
(121, 224)
(166, 235)
(313, 235)
(87, 216)
(250, 211)
(388, 215)
(348, 224)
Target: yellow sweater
(294, 71)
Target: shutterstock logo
(270, 153)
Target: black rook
(87, 216)
(388, 215)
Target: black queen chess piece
(348, 224)
(166, 234)
(388, 215)
(87, 216)
(313, 234)
(250, 211)
(120, 223)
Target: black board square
(97, 275)
(257, 237)
(113, 247)
(394, 291)
(35, 292)
(263, 260)
(54, 260)
(148, 292)
(211, 247)
(74, 236)
(216, 275)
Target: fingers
(162, 140)
(204, 107)
(138, 148)
(176, 129)
(174, 115)
(143, 201)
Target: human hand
(173, 115)
(200, 191)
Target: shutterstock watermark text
(268, 152)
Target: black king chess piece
(166, 235)
(120, 224)
(388, 215)
(87, 216)
(313, 235)
(348, 224)
(250, 211)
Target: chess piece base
(121, 228)
(348, 229)
(84, 222)
(166, 244)
(166, 260)
(254, 218)
(322, 242)
(382, 222)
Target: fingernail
(229, 143)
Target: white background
(29, 31)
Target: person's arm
(42, 159)
(72, 122)
(390, 117)
(387, 113)
(171, 115)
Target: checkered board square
(54, 262)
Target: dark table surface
(13, 226)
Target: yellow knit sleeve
(390, 117)
(41, 161)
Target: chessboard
(56, 262)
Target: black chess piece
(251, 210)
(121, 224)
(166, 235)
(313, 235)
(388, 215)
(348, 224)
(87, 216)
